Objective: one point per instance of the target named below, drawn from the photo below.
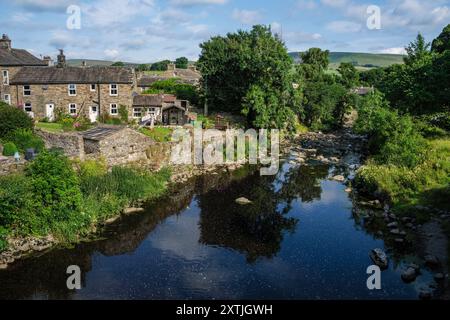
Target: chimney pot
(5, 42)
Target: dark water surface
(298, 240)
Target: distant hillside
(94, 63)
(366, 60)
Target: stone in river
(243, 201)
(339, 178)
(379, 257)
(409, 275)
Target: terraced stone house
(44, 91)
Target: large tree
(417, 50)
(349, 75)
(442, 42)
(249, 72)
(316, 57)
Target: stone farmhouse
(44, 91)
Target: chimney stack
(5, 42)
(83, 64)
(48, 60)
(61, 59)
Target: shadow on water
(293, 239)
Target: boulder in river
(409, 275)
(425, 294)
(339, 178)
(431, 260)
(380, 258)
(243, 201)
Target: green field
(362, 60)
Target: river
(300, 239)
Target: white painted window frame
(111, 90)
(111, 109)
(26, 90)
(69, 89)
(70, 109)
(5, 74)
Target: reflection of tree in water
(303, 183)
(256, 230)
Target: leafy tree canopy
(182, 63)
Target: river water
(300, 239)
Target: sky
(144, 31)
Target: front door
(50, 112)
(93, 113)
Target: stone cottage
(163, 109)
(88, 91)
(11, 61)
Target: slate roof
(148, 81)
(18, 57)
(69, 75)
(100, 133)
(148, 100)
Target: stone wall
(71, 143)
(125, 146)
(8, 165)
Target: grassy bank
(53, 198)
(409, 163)
(425, 184)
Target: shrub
(55, 185)
(9, 149)
(92, 168)
(13, 118)
(67, 123)
(18, 208)
(24, 139)
(393, 139)
(3, 240)
(123, 112)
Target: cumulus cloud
(247, 17)
(301, 38)
(335, 3)
(106, 13)
(111, 53)
(398, 50)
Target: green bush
(13, 118)
(393, 139)
(24, 139)
(55, 185)
(3, 240)
(123, 112)
(19, 209)
(9, 149)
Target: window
(72, 109)
(7, 98)
(151, 109)
(137, 113)
(93, 87)
(27, 90)
(5, 77)
(28, 107)
(72, 90)
(114, 110)
(113, 90)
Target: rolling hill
(363, 60)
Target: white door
(50, 111)
(93, 113)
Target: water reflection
(191, 244)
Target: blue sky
(151, 30)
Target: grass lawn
(49, 127)
(159, 134)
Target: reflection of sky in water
(324, 257)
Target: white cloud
(21, 17)
(344, 26)
(393, 51)
(300, 37)
(111, 53)
(105, 13)
(248, 17)
(306, 4)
